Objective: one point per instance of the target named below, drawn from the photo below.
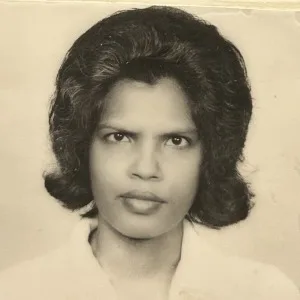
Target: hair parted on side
(146, 45)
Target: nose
(145, 164)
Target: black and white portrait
(149, 152)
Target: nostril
(145, 176)
(145, 167)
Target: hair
(146, 45)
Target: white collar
(189, 272)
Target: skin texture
(161, 154)
(146, 141)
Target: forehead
(139, 103)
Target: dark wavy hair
(146, 45)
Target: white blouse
(73, 273)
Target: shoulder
(36, 277)
(261, 281)
(243, 278)
(69, 272)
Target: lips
(142, 203)
(141, 195)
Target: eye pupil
(176, 140)
(118, 136)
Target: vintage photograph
(149, 152)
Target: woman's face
(145, 158)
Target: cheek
(102, 173)
(105, 164)
(105, 181)
(184, 178)
(184, 165)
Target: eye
(177, 141)
(117, 137)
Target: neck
(125, 257)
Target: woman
(148, 123)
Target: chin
(141, 231)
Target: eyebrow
(186, 131)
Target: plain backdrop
(34, 39)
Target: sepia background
(34, 39)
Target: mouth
(142, 203)
(143, 196)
